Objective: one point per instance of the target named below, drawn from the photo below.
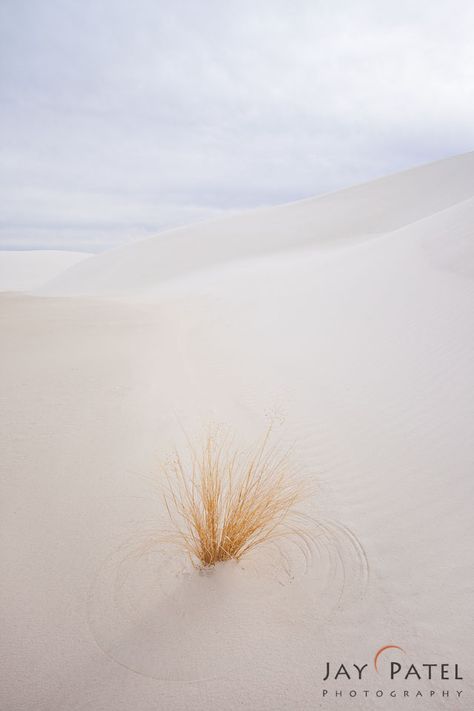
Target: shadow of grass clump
(226, 502)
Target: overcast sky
(122, 117)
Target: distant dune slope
(380, 206)
(26, 270)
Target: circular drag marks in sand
(156, 614)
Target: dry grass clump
(226, 502)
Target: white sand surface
(359, 348)
(30, 269)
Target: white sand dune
(353, 331)
(349, 215)
(30, 269)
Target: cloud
(122, 118)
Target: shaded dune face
(360, 350)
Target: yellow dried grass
(226, 502)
